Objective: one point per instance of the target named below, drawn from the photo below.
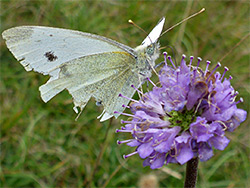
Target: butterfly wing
(154, 34)
(43, 48)
(71, 58)
(85, 64)
(102, 76)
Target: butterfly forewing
(44, 48)
(154, 34)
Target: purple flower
(185, 117)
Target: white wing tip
(162, 19)
(154, 34)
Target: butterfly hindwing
(102, 76)
(119, 84)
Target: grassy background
(42, 145)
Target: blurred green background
(43, 146)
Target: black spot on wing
(64, 71)
(98, 103)
(50, 56)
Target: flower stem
(191, 173)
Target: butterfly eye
(150, 50)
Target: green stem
(191, 173)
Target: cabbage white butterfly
(85, 64)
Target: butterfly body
(145, 59)
(85, 64)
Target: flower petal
(145, 150)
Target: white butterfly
(85, 64)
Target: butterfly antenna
(193, 15)
(134, 24)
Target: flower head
(185, 117)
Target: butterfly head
(152, 51)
